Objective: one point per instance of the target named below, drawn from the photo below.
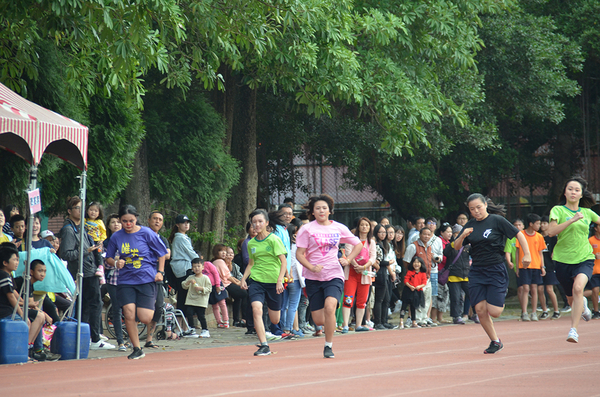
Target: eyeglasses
(432, 223)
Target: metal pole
(82, 190)
(26, 273)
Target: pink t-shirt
(322, 244)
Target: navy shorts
(566, 273)
(265, 293)
(488, 283)
(318, 291)
(594, 281)
(550, 278)
(142, 295)
(530, 276)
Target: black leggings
(382, 302)
(200, 313)
(240, 301)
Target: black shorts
(550, 278)
(566, 273)
(530, 276)
(488, 283)
(265, 293)
(594, 281)
(318, 291)
(142, 295)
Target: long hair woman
(487, 231)
(573, 253)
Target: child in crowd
(95, 227)
(199, 288)
(594, 283)
(530, 276)
(550, 279)
(414, 281)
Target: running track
(443, 361)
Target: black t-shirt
(488, 239)
(6, 287)
(548, 261)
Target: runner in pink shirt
(318, 244)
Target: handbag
(215, 297)
(445, 273)
(363, 257)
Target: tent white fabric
(29, 130)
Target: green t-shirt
(573, 246)
(511, 247)
(265, 254)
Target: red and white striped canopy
(29, 130)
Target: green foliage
(187, 164)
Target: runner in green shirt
(573, 253)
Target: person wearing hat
(182, 253)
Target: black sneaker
(328, 353)
(250, 331)
(137, 353)
(37, 356)
(263, 350)
(51, 356)
(494, 347)
(544, 316)
(556, 316)
(388, 325)
(595, 315)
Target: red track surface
(444, 361)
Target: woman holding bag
(356, 274)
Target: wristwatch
(161, 272)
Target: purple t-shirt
(322, 244)
(140, 251)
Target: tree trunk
(213, 219)
(137, 192)
(243, 147)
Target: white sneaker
(271, 337)
(205, 334)
(103, 338)
(573, 337)
(101, 345)
(533, 317)
(191, 333)
(389, 312)
(370, 323)
(587, 313)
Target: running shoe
(533, 317)
(298, 333)
(459, 320)
(328, 353)
(100, 345)
(595, 315)
(250, 331)
(362, 329)
(556, 316)
(408, 323)
(388, 326)
(204, 333)
(494, 347)
(544, 315)
(51, 356)
(587, 313)
(137, 354)
(344, 330)
(370, 324)
(566, 309)
(430, 322)
(539, 309)
(122, 348)
(263, 351)
(524, 317)
(379, 327)
(475, 318)
(37, 356)
(271, 336)
(103, 338)
(573, 336)
(190, 333)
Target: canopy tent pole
(26, 273)
(82, 191)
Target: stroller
(170, 323)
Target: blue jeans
(291, 299)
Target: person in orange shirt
(594, 282)
(531, 276)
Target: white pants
(421, 313)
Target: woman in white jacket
(357, 276)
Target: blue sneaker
(345, 330)
(298, 333)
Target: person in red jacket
(415, 280)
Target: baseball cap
(46, 233)
(182, 219)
